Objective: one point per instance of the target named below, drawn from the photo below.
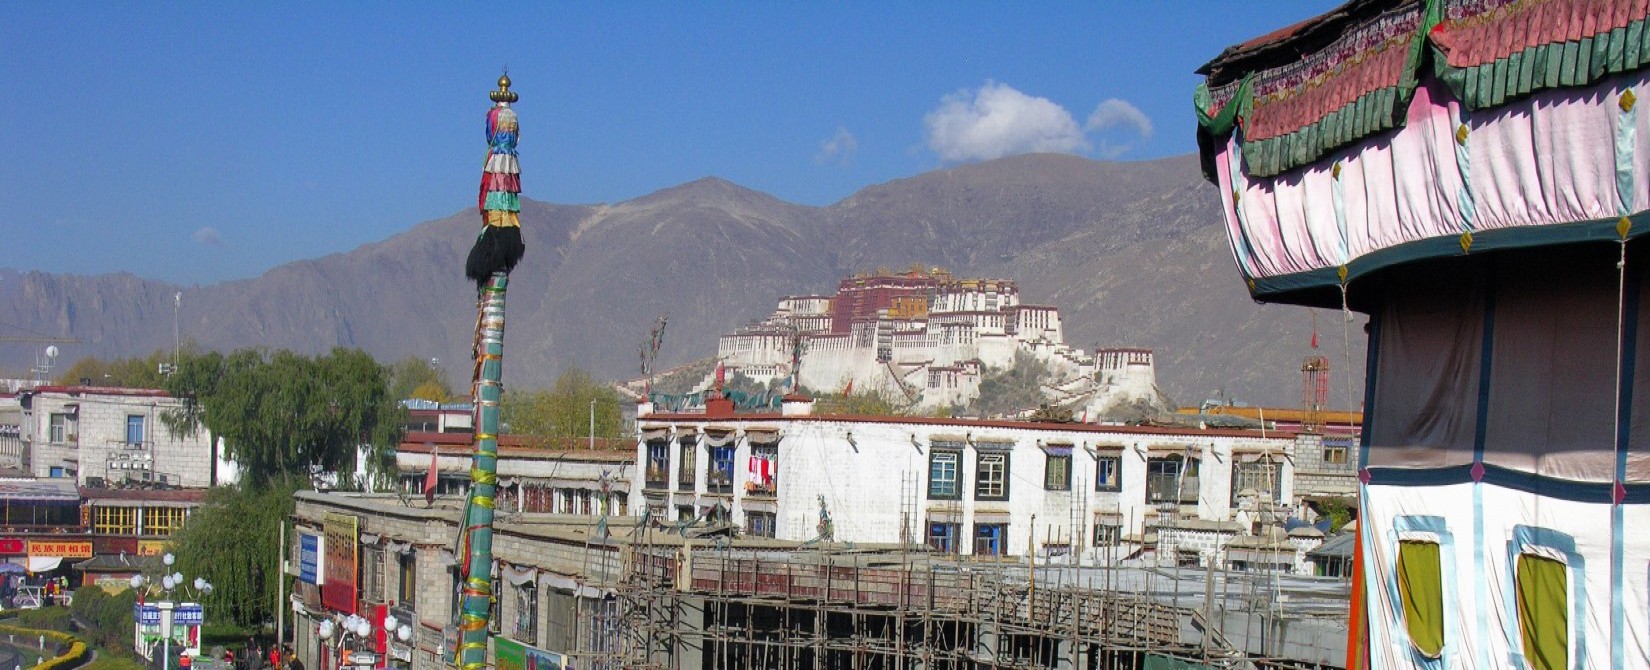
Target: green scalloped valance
(1501, 51)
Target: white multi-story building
(109, 436)
(922, 336)
(970, 487)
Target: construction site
(688, 607)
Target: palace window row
(945, 480)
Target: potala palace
(927, 338)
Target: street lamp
(362, 629)
(167, 607)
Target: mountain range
(1133, 254)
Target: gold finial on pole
(503, 94)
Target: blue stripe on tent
(1372, 356)
(1508, 478)
(1480, 576)
(1624, 421)
(1485, 358)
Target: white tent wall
(1480, 616)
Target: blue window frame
(721, 470)
(943, 537)
(989, 539)
(134, 429)
(1108, 473)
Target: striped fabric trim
(1488, 52)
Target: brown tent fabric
(1551, 400)
(1426, 383)
(1552, 382)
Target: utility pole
(177, 332)
(280, 588)
(592, 424)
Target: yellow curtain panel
(1421, 587)
(1544, 612)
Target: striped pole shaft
(477, 586)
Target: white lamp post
(168, 607)
(361, 628)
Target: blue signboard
(309, 558)
(184, 614)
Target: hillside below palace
(927, 338)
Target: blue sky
(197, 142)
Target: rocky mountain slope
(1132, 253)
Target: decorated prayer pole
(495, 253)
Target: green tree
(1016, 388)
(118, 372)
(863, 403)
(282, 413)
(232, 540)
(564, 410)
(415, 377)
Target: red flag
(432, 478)
(850, 389)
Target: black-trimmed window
(1108, 473)
(942, 537)
(944, 474)
(1107, 534)
(1264, 476)
(1171, 478)
(990, 539)
(991, 475)
(721, 470)
(687, 471)
(760, 524)
(1057, 471)
(526, 628)
(658, 465)
(407, 585)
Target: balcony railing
(657, 478)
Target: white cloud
(1115, 113)
(995, 121)
(208, 236)
(839, 149)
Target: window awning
(39, 564)
(1056, 448)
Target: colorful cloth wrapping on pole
(499, 246)
(501, 179)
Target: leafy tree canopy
(564, 410)
(1016, 388)
(118, 372)
(281, 413)
(863, 403)
(414, 377)
(232, 540)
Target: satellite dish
(51, 351)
